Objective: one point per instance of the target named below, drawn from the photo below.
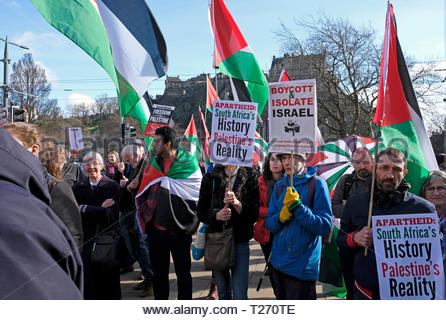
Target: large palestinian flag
(181, 185)
(232, 54)
(397, 111)
(122, 36)
(333, 159)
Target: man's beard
(387, 188)
(363, 173)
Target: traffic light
(127, 132)
(17, 114)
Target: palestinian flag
(122, 36)
(181, 185)
(232, 54)
(397, 111)
(284, 76)
(211, 94)
(261, 148)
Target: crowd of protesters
(58, 202)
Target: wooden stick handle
(372, 189)
(292, 168)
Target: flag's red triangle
(227, 35)
(191, 129)
(211, 94)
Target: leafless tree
(348, 78)
(30, 90)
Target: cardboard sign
(75, 138)
(160, 117)
(233, 132)
(408, 256)
(292, 116)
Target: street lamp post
(6, 61)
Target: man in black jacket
(63, 202)
(390, 198)
(351, 184)
(38, 255)
(133, 157)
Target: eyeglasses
(439, 189)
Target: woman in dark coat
(98, 199)
(241, 214)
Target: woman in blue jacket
(298, 216)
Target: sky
(75, 77)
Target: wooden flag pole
(292, 168)
(372, 190)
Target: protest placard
(233, 132)
(408, 256)
(159, 117)
(293, 116)
(75, 138)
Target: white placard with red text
(292, 116)
(233, 132)
(408, 257)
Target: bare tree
(429, 83)
(30, 90)
(80, 109)
(106, 105)
(348, 78)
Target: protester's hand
(285, 214)
(230, 198)
(123, 182)
(224, 214)
(108, 203)
(364, 238)
(121, 166)
(291, 196)
(133, 185)
(344, 202)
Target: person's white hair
(93, 154)
(132, 149)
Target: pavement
(202, 279)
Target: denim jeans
(233, 283)
(144, 259)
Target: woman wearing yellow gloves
(298, 216)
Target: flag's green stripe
(128, 98)
(403, 137)
(262, 144)
(80, 22)
(333, 179)
(185, 165)
(334, 149)
(243, 65)
(259, 94)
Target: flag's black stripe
(406, 82)
(148, 34)
(242, 91)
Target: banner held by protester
(160, 117)
(233, 132)
(293, 116)
(408, 257)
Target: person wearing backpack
(298, 222)
(351, 184)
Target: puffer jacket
(297, 243)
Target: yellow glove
(285, 215)
(291, 196)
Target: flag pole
(292, 168)
(372, 191)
